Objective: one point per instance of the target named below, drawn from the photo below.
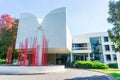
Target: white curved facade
(28, 29)
(53, 27)
(56, 31)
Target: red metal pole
(25, 53)
(44, 51)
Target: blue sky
(83, 16)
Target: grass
(113, 72)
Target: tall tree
(114, 18)
(8, 32)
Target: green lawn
(114, 72)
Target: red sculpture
(9, 55)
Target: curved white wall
(54, 25)
(27, 29)
(57, 33)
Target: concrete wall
(28, 29)
(82, 39)
(68, 39)
(58, 36)
(54, 25)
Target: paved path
(69, 74)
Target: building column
(84, 55)
(88, 58)
(118, 60)
(71, 57)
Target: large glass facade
(96, 44)
(96, 48)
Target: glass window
(79, 46)
(114, 57)
(96, 44)
(113, 47)
(106, 39)
(95, 40)
(108, 57)
(107, 48)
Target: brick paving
(69, 74)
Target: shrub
(2, 61)
(99, 65)
(90, 65)
(113, 65)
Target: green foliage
(15, 55)
(116, 75)
(113, 65)
(5, 42)
(90, 65)
(114, 18)
(2, 61)
(115, 37)
(7, 38)
(114, 72)
(114, 12)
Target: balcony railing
(80, 48)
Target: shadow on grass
(116, 75)
(95, 77)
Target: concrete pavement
(69, 74)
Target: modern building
(61, 46)
(93, 46)
(54, 28)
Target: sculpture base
(30, 69)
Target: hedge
(2, 61)
(90, 65)
(113, 65)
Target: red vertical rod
(44, 51)
(34, 52)
(20, 54)
(25, 53)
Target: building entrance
(62, 59)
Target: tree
(114, 18)
(6, 21)
(8, 32)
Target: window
(114, 57)
(80, 46)
(113, 47)
(105, 39)
(96, 43)
(108, 57)
(107, 48)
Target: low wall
(30, 69)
